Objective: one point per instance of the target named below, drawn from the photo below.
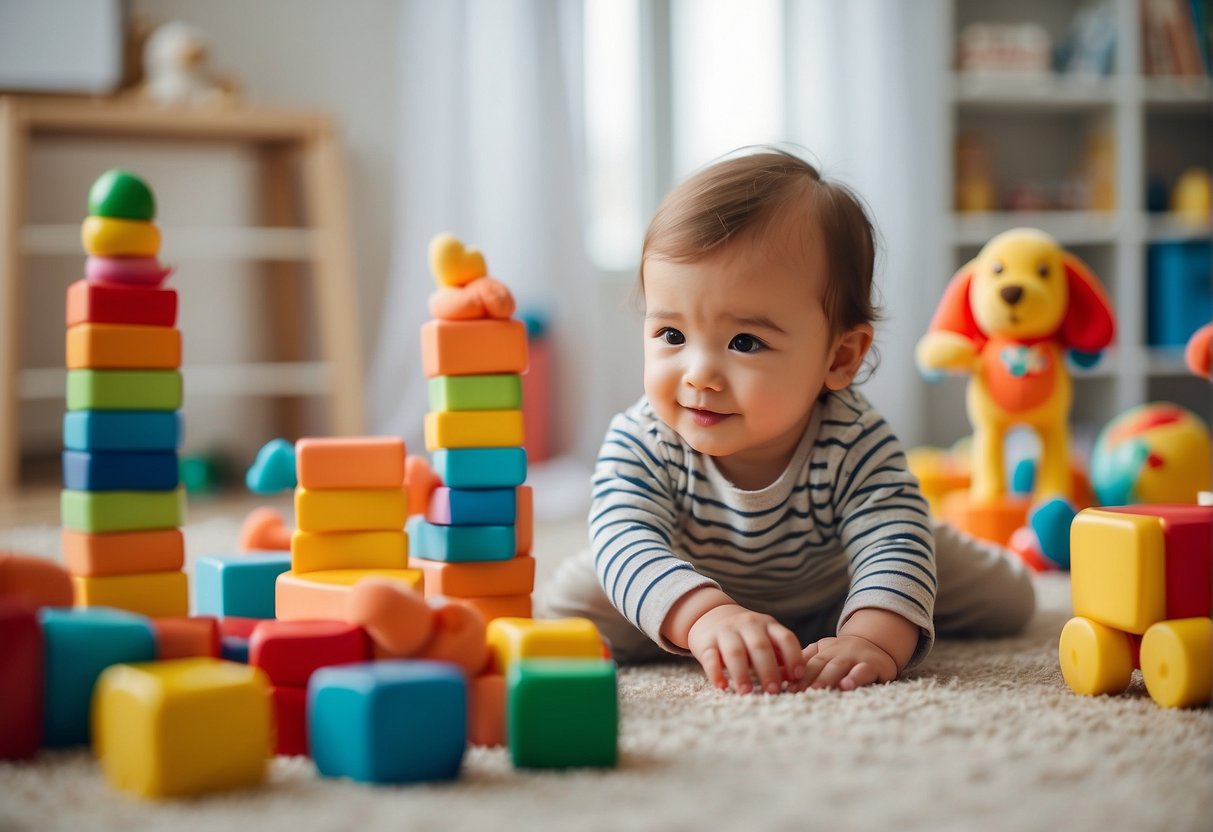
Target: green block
(496, 392)
(121, 511)
(123, 195)
(562, 713)
(123, 389)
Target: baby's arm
(722, 635)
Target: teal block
(473, 506)
(562, 713)
(80, 643)
(460, 544)
(122, 430)
(480, 467)
(490, 392)
(238, 585)
(121, 511)
(388, 721)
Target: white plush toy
(176, 67)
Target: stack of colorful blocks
(350, 510)
(121, 505)
(474, 542)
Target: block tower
(474, 543)
(121, 505)
(350, 510)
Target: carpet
(983, 734)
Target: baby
(752, 509)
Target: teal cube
(460, 544)
(388, 721)
(562, 713)
(240, 585)
(80, 643)
(480, 467)
(493, 392)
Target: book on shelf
(1175, 38)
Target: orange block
(995, 521)
(35, 581)
(498, 606)
(264, 530)
(486, 710)
(123, 347)
(183, 638)
(475, 580)
(469, 348)
(323, 595)
(350, 462)
(524, 520)
(122, 553)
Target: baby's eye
(671, 336)
(745, 343)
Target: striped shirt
(844, 523)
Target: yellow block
(473, 429)
(512, 639)
(182, 727)
(154, 594)
(319, 552)
(109, 237)
(1117, 569)
(1175, 662)
(123, 347)
(323, 595)
(350, 509)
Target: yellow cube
(154, 594)
(1118, 569)
(182, 727)
(318, 552)
(512, 639)
(473, 429)
(350, 509)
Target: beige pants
(983, 591)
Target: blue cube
(122, 430)
(120, 470)
(460, 544)
(80, 643)
(388, 721)
(473, 506)
(240, 585)
(480, 467)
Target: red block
(21, 681)
(182, 638)
(290, 718)
(1188, 536)
(111, 304)
(289, 651)
(486, 710)
(236, 627)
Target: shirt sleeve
(632, 519)
(885, 531)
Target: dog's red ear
(1088, 325)
(954, 314)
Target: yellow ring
(109, 237)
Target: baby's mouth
(705, 418)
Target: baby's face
(737, 349)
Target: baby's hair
(770, 190)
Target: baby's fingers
(788, 650)
(860, 675)
(713, 668)
(737, 660)
(833, 673)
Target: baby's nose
(1011, 294)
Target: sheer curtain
(490, 150)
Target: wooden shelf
(282, 378)
(1069, 227)
(1044, 92)
(188, 243)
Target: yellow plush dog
(1007, 317)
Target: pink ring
(130, 271)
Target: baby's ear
(848, 355)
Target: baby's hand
(846, 662)
(747, 644)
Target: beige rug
(983, 735)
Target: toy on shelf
(177, 70)
(122, 503)
(1199, 353)
(1155, 453)
(1142, 585)
(1008, 318)
(1192, 197)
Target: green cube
(495, 392)
(562, 713)
(123, 389)
(121, 511)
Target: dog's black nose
(1011, 294)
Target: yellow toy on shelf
(1142, 586)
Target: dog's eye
(997, 267)
(1043, 270)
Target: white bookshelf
(1037, 127)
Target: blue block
(1051, 521)
(120, 470)
(241, 585)
(234, 649)
(1180, 293)
(388, 721)
(122, 430)
(479, 507)
(480, 467)
(460, 544)
(80, 643)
